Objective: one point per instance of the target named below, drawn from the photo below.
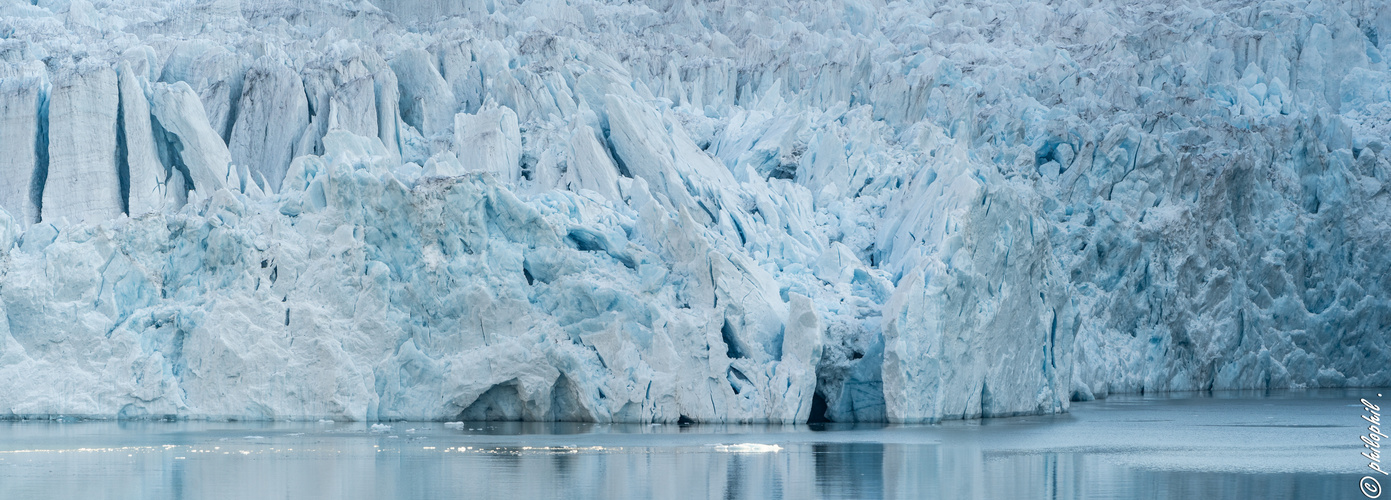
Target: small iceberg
(748, 448)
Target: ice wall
(668, 211)
(83, 182)
(23, 167)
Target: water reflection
(847, 470)
(1295, 447)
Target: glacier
(675, 211)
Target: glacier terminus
(672, 211)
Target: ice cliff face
(671, 211)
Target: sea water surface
(1267, 445)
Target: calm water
(1268, 446)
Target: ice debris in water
(747, 448)
(683, 211)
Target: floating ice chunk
(747, 448)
